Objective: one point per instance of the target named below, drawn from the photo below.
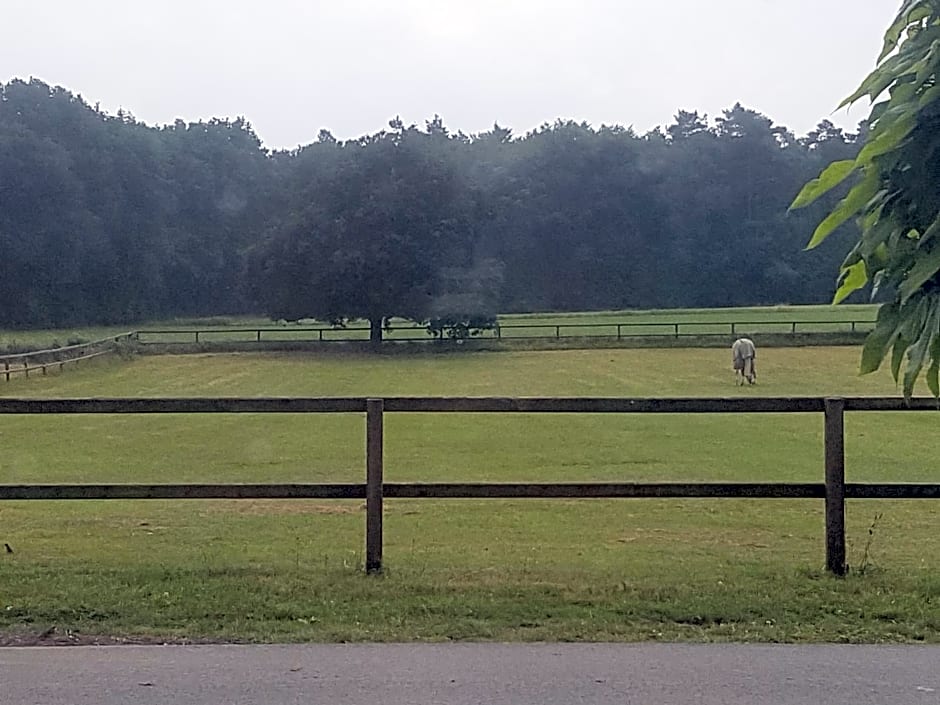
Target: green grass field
(509, 570)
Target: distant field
(517, 570)
(819, 313)
(753, 320)
(611, 324)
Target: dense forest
(104, 219)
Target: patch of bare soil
(54, 637)
(285, 507)
(264, 507)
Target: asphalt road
(465, 674)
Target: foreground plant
(896, 198)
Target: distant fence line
(42, 360)
(833, 490)
(506, 331)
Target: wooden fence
(42, 360)
(833, 489)
(507, 331)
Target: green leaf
(888, 139)
(855, 255)
(933, 372)
(917, 353)
(897, 77)
(893, 34)
(877, 110)
(925, 267)
(853, 278)
(915, 362)
(876, 283)
(873, 218)
(903, 68)
(928, 96)
(850, 205)
(931, 232)
(901, 93)
(875, 232)
(907, 15)
(831, 176)
(913, 317)
(926, 67)
(875, 82)
(881, 338)
(897, 356)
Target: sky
(294, 67)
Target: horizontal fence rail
(505, 331)
(529, 405)
(834, 490)
(167, 491)
(477, 490)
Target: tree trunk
(375, 330)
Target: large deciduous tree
(896, 198)
(379, 221)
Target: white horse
(743, 353)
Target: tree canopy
(376, 223)
(895, 198)
(104, 219)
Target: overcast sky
(293, 67)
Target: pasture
(692, 322)
(742, 570)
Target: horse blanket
(743, 353)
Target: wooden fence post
(374, 472)
(835, 485)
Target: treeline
(104, 219)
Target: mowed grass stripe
(456, 447)
(506, 569)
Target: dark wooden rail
(833, 490)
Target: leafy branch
(895, 198)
